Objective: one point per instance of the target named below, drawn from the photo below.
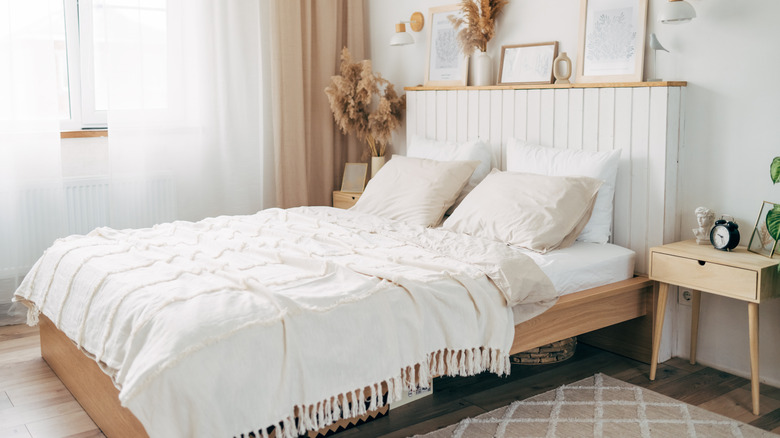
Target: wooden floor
(34, 403)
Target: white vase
(376, 164)
(481, 69)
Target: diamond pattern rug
(599, 406)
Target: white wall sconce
(676, 12)
(401, 37)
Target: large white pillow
(474, 150)
(522, 157)
(415, 190)
(533, 211)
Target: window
(137, 32)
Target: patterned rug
(599, 406)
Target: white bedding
(232, 324)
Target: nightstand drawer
(711, 277)
(344, 199)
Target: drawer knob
(702, 262)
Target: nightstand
(738, 274)
(344, 199)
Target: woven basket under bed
(546, 354)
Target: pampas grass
(477, 24)
(365, 103)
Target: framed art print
(612, 40)
(527, 63)
(446, 64)
(767, 225)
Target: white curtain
(185, 98)
(32, 210)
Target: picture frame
(445, 64)
(528, 63)
(354, 180)
(761, 241)
(611, 41)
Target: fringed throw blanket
(234, 324)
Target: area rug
(599, 406)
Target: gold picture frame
(354, 180)
(445, 65)
(612, 41)
(527, 63)
(761, 241)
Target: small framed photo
(354, 177)
(527, 63)
(612, 40)
(446, 64)
(767, 225)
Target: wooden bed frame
(629, 301)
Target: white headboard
(644, 121)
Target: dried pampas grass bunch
(365, 103)
(477, 23)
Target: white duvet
(234, 324)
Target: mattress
(581, 266)
(585, 265)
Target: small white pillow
(415, 190)
(537, 212)
(522, 157)
(474, 150)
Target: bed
(603, 311)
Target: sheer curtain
(32, 210)
(185, 108)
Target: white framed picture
(527, 63)
(446, 64)
(612, 40)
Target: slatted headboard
(642, 119)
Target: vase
(562, 76)
(376, 164)
(481, 69)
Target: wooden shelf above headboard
(538, 86)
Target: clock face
(720, 236)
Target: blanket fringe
(316, 416)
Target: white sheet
(232, 324)
(581, 266)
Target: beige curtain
(306, 41)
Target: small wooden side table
(344, 199)
(738, 274)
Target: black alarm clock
(724, 235)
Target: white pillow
(474, 150)
(415, 190)
(537, 212)
(522, 157)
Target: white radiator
(41, 213)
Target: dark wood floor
(457, 398)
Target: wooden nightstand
(739, 274)
(344, 199)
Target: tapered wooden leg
(753, 330)
(663, 291)
(695, 304)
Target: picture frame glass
(761, 241)
(446, 63)
(528, 63)
(354, 180)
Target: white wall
(728, 56)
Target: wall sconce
(401, 37)
(676, 12)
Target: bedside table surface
(740, 257)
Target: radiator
(41, 213)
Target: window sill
(84, 133)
